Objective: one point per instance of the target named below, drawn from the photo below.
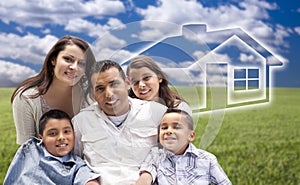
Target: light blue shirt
(32, 164)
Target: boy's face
(174, 133)
(58, 137)
(111, 92)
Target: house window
(246, 79)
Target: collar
(64, 159)
(191, 150)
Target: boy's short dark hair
(187, 116)
(52, 114)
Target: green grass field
(255, 145)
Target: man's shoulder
(87, 110)
(149, 104)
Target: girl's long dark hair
(166, 96)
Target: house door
(216, 85)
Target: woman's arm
(25, 113)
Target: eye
(68, 131)
(52, 133)
(68, 59)
(164, 127)
(99, 89)
(115, 83)
(177, 127)
(134, 82)
(146, 78)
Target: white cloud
(59, 12)
(170, 11)
(13, 74)
(297, 30)
(183, 76)
(107, 45)
(158, 29)
(46, 31)
(248, 15)
(92, 29)
(29, 48)
(247, 58)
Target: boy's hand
(144, 179)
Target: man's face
(111, 92)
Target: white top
(26, 113)
(117, 153)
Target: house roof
(217, 37)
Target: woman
(149, 82)
(59, 85)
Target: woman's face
(69, 65)
(144, 83)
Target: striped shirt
(194, 167)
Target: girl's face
(145, 83)
(69, 65)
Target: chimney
(197, 29)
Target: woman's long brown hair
(45, 77)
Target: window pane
(239, 73)
(253, 73)
(240, 85)
(253, 84)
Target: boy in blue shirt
(179, 161)
(49, 159)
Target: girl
(149, 82)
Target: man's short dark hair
(52, 114)
(104, 65)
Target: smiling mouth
(71, 75)
(170, 139)
(62, 145)
(112, 102)
(145, 92)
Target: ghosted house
(227, 68)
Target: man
(115, 134)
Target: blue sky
(29, 28)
